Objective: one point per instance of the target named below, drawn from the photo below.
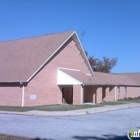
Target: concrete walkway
(74, 112)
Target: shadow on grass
(11, 137)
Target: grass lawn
(132, 100)
(57, 107)
(47, 108)
(113, 103)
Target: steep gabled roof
(21, 59)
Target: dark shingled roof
(20, 59)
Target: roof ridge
(36, 36)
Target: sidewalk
(74, 112)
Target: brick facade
(90, 93)
(129, 92)
(77, 94)
(44, 84)
(10, 94)
(42, 89)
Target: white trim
(22, 95)
(88, 74)
(82, 95)
(69, 77)
(12, 81)
(51, 55)
(67, 69)
(84, 54)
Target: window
(125, 91)
(118, 90)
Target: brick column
(82, 95)
(78, 92)
(107, 92)
(94, 94)
(99, 95)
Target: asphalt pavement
(110, 125)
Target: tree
(104, 65)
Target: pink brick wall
(95, 94)
(76, 94)
(121, 94)
(109, 93)
(130, 92)
(133, 92)
(99, 95)
(10, 95)
(70, 57)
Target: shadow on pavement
(41, 139)
(105, 137)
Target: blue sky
(111, 28)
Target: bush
(130, 98)
(137, 98)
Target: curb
(72, 112)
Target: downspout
(22, 94)
(82, 94)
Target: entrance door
(67, 96)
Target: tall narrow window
(125, 91)
(118, 90)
